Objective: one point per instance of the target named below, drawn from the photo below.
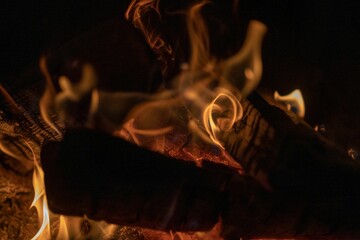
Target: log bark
(297, 184)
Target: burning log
(311, 184)
(297, 183)
(108, 178)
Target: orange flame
(212, 111)
(137, 14)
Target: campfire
(169, 140)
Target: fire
(244, 69)
(214, 120)
(209, 91)
(139, 13)
(40, 201)
(294, 101)
(47, 99)
(83, 228)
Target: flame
(196, 80)
(47, 99)
(244, 69)
(198, 34)
(74, 92)
(71, 228)
(139, 137)
(40, 200)
(294, 101)
(139, 13)
(214, 120)
(209, 92)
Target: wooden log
(109, 179)
(311, 185)
(297, 183)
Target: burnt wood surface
(297, 184)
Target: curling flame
(214, 119)
(137, 136)
(139, 13)
(244, 69)
(220, 108)
(293, 101)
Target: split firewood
(297, 184)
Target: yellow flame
(244, 69)
(40, 200)
(94, 107)
(216, 126)
(294, 101)
(196, 79)
(47, 99)
(70, 228)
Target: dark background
(311, 45)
